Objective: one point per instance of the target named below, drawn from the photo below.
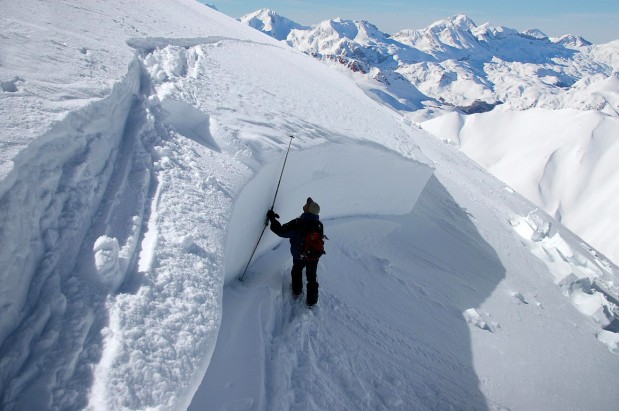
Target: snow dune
(123, 198)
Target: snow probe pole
(266, 221)
(282, 173)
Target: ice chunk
(610, 339)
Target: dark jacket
(293, 230)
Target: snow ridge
(139, 353)
(59, 197)
(102, 179)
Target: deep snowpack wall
(346, 180)
(50, 197)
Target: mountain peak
(570, 40)
(460, 21)
(209, 5)
(271, 23)
(353, 29)
(535, 33)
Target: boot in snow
(312, 294)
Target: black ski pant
(311, 268)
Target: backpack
(312, 241)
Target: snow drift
(346, 180)
(125, 167)
(114, 217)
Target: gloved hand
(272, 215)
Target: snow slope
(570, 169)
(128, 167)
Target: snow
(342, 188)
(569, 170)
(266, 20)
(455, 64)
(477, 67)
(140, 151)
(106, 261)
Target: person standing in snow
(305, 250)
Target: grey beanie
(314, 208)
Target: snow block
(346, 180)
(610, 339)
(106, 251)
(472, 317)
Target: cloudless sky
(595, 20)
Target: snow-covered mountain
(469, 67)
(456, 67)
(141, 148)
(271, 23)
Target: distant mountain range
(456, 65)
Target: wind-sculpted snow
(370, 355)
(343, 188)
(125, 206)
(53, 192)
(137, 136)
(81, 181)
(62, 194)
(179, 263)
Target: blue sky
(596, 20)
